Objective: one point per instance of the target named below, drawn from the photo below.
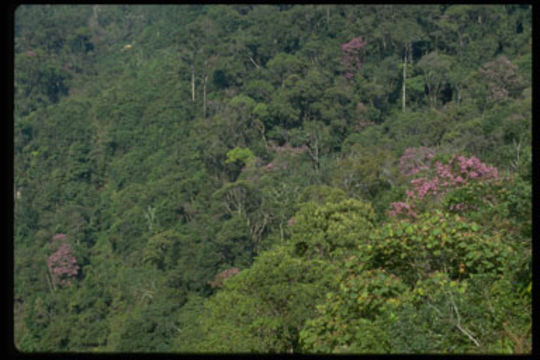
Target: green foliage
(503, 206)
(443, 312)
(162, 249)
(152, 323)
(321, 195)
(175, 144)
(436, 242)
(380, 302)
(242, 155)
(347, 322)
(233, 242)
(189, 331)
(272, 299)
(434, 68)
(332, 229)
(365, 172)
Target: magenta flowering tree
(402, 208)
(438, 178)
(352, 55)
(62, 265)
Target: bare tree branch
(458, 324)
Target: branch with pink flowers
(438, 179)
(352, 55)
(62, 265)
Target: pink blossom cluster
(58, 237)
(472, 168)
(415, 160)
(459, 171)
(423, 187)
(352, 52)
(401, 207)
(63, 265)
(457, 207)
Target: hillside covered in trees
(272, 178)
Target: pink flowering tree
(436, 178)
(352, 55)
(62, 266)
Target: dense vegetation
(273, 178)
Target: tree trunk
(313, 150)
(192, 83)
(253, 61)
(205, 78)
(93, 21)
(52, 286)
(328, 15)
(403, 97)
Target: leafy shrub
(435, 241)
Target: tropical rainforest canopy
(272, 178)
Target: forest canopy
(273, 178)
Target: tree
(38, 82)
(200, 54)
(316, 139)
(347, 321)
(241, 155)
(272, 299)
(331, 230)
(379, 302)
(410, 33)
(62, 266)
(436, 241)
(161, 250)
(364, 172)
(434, 68)
(441, 177)
(352, 55)
(501, 78)
(281, 66)
(152, 323)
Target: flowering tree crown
(62, 264)
(352, 55)
(438, 179)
